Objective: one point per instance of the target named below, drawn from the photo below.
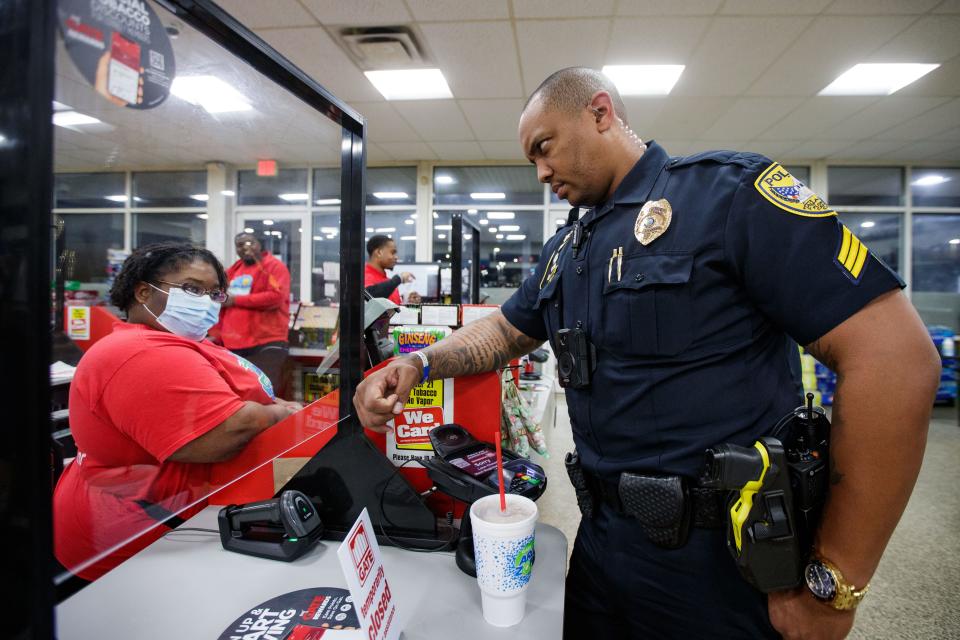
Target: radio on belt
(466, 469)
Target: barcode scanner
(282, 528)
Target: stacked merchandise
(808, 366)
(826, 383)
(944, 340)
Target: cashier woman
(153, 408)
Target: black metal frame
(458, 222)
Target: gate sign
(121, 48)
(362, 566)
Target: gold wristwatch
(827, 585)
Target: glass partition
(936, 268)
(133, 457)
(935, 187)
(881, 232)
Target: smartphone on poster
(123, 78)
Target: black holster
(580, 486)
(661, 506)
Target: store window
(326, 187)
(486, 187)
(288, 187)
(936, 268)
(160, 227)
(865, 186)
(881, 232)
(391, 186)
(170, 189)
(87, 239)
(935, 187)
(399, 225)
(325, 270)
(90, 191)
(510, 244)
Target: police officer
(683, 292)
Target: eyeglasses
(217, 295)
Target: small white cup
(504, 552)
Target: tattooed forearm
(484, 345)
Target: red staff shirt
(372, 275)
(138, 396)
(261, 304)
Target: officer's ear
(601, 108)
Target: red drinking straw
(503, 495)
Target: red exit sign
(266, 167)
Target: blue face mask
(185, 315)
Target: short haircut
(246, 234)
(152, 262)
(376, 242)
(571, 89)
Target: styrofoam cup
(504, 552)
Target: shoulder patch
(851, 255)
(786, 192)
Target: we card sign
(362, 566)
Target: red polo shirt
(138, 396)
(372, 275)
(261, 304)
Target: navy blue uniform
(696, 336)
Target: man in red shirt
(256, 317)
(382, 255)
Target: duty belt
(706, 508)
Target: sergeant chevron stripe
(852, 255)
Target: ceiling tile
(502, 150)
(562, 8)
(408, 150)
(950, 155)
(550, 45)
(953, 134)
(376, 153)
(723, 66)
(457, 150)
(493, 119)
(684, 118)
(929, 39)
(257, 14)
(776, 149)
(866, 150)
(943, 81)
(667, 7)
(881, 116)
(678, 147)
(815, 115)
(478, 59)
(359, 12)
(881, 7)
(773, 7)
(747, 116)
(642, 111)
(940, 119)
(826, 49)
(384, 124)
(818, 149)
(446, 10)
(921, 151)
(314, 51)
(435, 119)
(948, 6)
(654, 40)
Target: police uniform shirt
(693, 330)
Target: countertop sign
(362, 566)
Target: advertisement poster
(307, 614)
(78, 327)
(410, 338)
(429, 405)
(362, 566)
(121, 48)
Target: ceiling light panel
(209, 92)
(644, 79)
(876, 79)
(410, 84)
(72, 119)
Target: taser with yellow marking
(761, 530)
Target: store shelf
(297, 352)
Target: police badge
(652, 221)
